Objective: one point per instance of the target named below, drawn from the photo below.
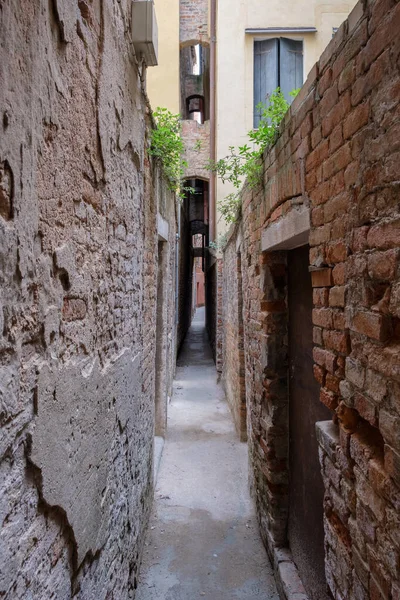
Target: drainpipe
(213, 55)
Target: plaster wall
(163, 85)
(235, 59)
(78, 268)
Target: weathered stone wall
(197, 149)
(78, 252)
(337, 155)
(233, 369)
(213, 287)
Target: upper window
(277, 63)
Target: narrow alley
(199, 300)
(203, 539)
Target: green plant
(219, 242)
(245, 162)
(168, 146)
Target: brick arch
(195, 176)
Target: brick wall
(196, 138)
(193, 20)
(338, 155)
(78, 251)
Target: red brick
(319, 374)
(317, 336)
(328, 101)
(317, 156)
(324, 358)
(320, 296)
(387, 32)
(74, 309)
(372, 324)
(336, 252)
(336, 138)
(359, 243)
(317, 216)
(337, 296)
(347, 76)
(339, 274)
(336, 340)
(339, 321)
(337, 162)
(392, 464)
(321, 278)
(352, 173)
(337, 114)
(383, 265)
(306, 126)
(322, 317)
(320, 194)
(317, 256)
(384, 235)
(332, 383)
(316, 137)
(379, 10)
(324, 82)
(328, 398)
(366, 408)
(356, 119)
(352, 48)
(337, 206)
(319, 235)
(364, 84)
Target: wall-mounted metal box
(144, 31)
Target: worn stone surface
(233, 372)
(197, 148)
(337, 155)
(203, 540)
(78, 273)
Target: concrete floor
(203, 539)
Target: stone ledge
(290, 586)
(288, 232)
(328, 437)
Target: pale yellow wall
(163, 80)
(235, 57)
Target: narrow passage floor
(203, 539)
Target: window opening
(195, 108)
(278, 62)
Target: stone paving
(203, 539)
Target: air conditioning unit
(144, 31)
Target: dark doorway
(305, 529)
(161, 345)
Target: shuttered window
(277, 63)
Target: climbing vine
(245, 162)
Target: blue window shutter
(291, 66)
(265, 73)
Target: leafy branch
(168, 146)
(220, 242)
(245, 162)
